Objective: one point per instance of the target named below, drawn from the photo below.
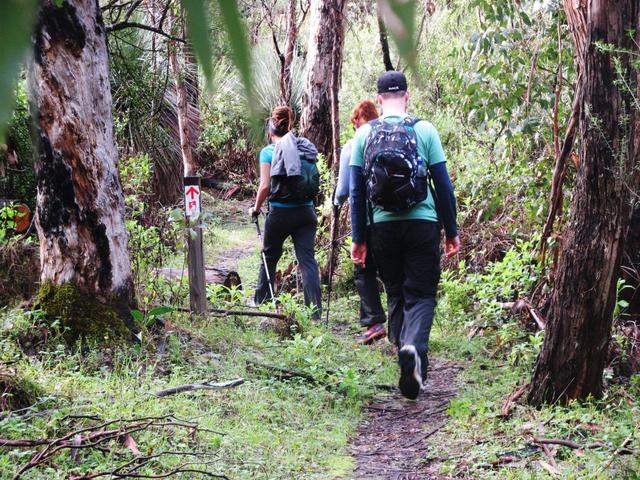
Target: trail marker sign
(195, 250)
(192, 193)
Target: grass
(478, 442)
(270, 428)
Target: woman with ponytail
(289, 179)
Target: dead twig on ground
(622, 450)
(424, 411)
(520, 305)
(422, 438)
(514, 397)
(282, 373)
(97, 436)
(200, 386)
(618, 451)
(239, 313)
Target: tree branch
(124, 25)
(200, 386)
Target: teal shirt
(266, 156)
(429, 148)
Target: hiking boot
(410, 372)
(374, 332)
(425, 368)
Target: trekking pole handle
(257, 223)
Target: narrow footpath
(393, 441)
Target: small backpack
(395, 174)
(299, 189)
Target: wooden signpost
(195, 251)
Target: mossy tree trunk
(580, 316)
(326, 42)
(80, 204)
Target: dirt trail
(393, 441)
(234, 217)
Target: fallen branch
(95, 436)
(504, 460)
(284, 373)
(520, 305)
(424, 412)
(288, 374)
(514, 397)
(618, 451)
(239, 313)
(6, 442)
(425, 436)
(622, 450)
(200, 386)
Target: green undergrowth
(269, 427)
(498, 351)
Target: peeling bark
(80, 204)
(580, 315)
(326, 42)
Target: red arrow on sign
(193, 191)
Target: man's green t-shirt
(429, 148)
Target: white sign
(192, 200)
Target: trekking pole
(264, 260)
(334, 243)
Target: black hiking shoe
(410, 372)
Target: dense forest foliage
(536, 342)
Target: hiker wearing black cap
(393, 162)
(289, 178)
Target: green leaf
(399, 17)
(237, 36)
(16, 25)
(199, 33)
(137, 315)
(157, 311)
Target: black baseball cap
(392, 81)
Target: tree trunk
(286, 80)
(193, 98)
(580, 316)
(182, 111)
(80, 204)
(325, 50)
(631, 266)
(384, 44)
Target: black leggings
(300, 224)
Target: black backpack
(298, 189)
(395, 173)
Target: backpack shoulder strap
(375, 125)
(376, 122)
(410, 121)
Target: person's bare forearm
(263, 192)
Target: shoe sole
(372, 338)
(409, 386)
